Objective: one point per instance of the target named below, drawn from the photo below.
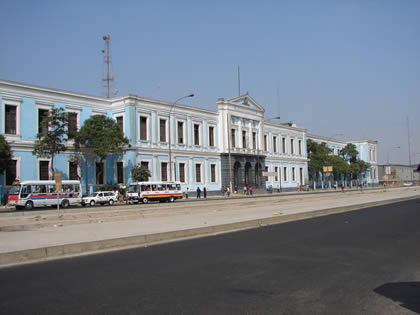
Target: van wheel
(111, 202)
(145, 200)
(92, 203)
(171, 199)
(29, 205)
(65, 204)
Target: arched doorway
(247, 174)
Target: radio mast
(107, 74)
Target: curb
(61, 251)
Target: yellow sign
(328, 169)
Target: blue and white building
(207, 148)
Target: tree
(349, 152)
(318, 155)
(5, 154)
(98, 137)
(140, 173)
(51, 140)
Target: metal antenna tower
(107, 74)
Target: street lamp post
(387, 156)
(169, 128)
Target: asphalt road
(361, 262)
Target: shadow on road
(407, 294)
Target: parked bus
(42, 193)
(154, 191)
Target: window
(265, 143)
(72, 125)
(293, 174)
(292, 146)
(274, 144)
(233, 138)
(244, 139)
(276, 170)
(120, 172)
(44, 170)
(143, 128)
(285, 174)
(300, 147)
(164, 171)
(211, 136)
(144, 164)
(266, 170)
(196, 134)
(213, 173)
(254, 140)
(283, 141)
(301, 176)
(182, 172)
(11, 171)
(120, 123)
(73, 172)
(162, 130)
(198, 173)
(99, 173)
(180, 132)
(10, 120)
(42, 113)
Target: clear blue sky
(333, 67)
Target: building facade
(367, 152)
(231, 146)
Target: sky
(344, 69)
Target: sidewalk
(42, 235)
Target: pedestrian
(342, 188)
(251, 190)
(5, 198)
(228, 191)
(198, 192)
(205, 192)
(186, 193)
(245, 190)
(236, 189)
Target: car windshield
(94, 194)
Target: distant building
(209, 148)
(398, 174)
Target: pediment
(246, 101)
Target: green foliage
(349, 152)
(51, 141)
(318, 155)
(5, 154)
(347, 163)
(140, 173)
(99, 137)
(340, 166)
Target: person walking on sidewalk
(205, 192)
(186, 193)
(198, 192)
(228, 191)
(245, 190)
(5, 198)
(342, 187)
(251, 190)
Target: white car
(101, 197)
